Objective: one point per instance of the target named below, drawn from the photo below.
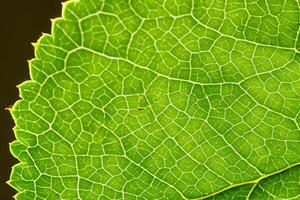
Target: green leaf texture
(162, 99)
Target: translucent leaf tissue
(162, 99)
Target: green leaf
(162, 99)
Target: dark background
(21, 22)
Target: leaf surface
(162, 99)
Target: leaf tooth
(8, 108)
(53, 20)
(34, 44)
(8, 182)
(23, 83)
